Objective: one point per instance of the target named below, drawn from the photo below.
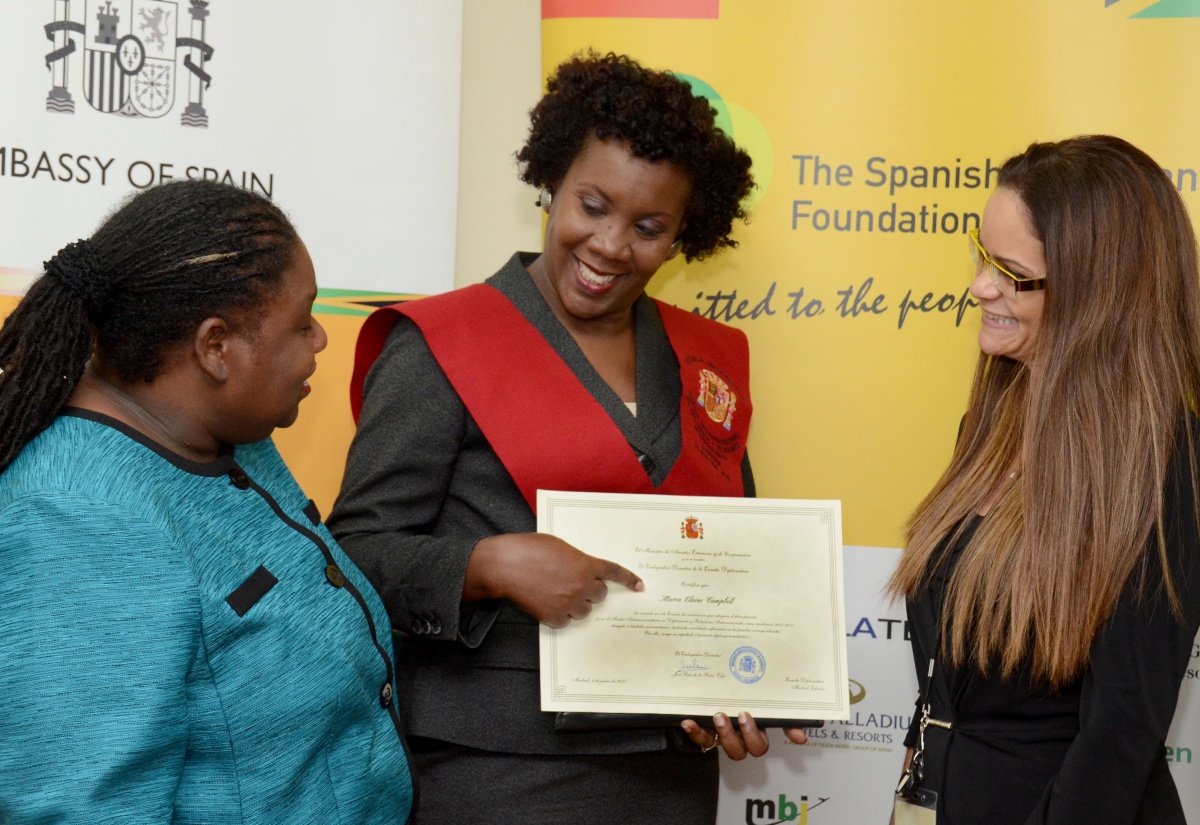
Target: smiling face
(610, 227)
(270, 364)
(1010, 325)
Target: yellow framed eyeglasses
(1005, 280)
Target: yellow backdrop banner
(876, 131)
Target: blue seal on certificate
(747, 665)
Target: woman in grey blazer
(560, 373)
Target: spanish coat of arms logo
(130, 62)
(718, 400)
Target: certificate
(743, 608)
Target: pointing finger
(614, 572)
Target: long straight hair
(1092, 421)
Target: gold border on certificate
(743, 608)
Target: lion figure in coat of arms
(155, 22)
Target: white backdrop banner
(847, 772)
(344, 114)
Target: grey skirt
(463, 785)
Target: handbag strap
(910, 780)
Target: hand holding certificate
(742, 608)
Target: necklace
(127, 402)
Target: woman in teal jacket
(181, 639)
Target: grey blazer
(422, 486)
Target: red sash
(546, 428)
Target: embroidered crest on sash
(717, 399)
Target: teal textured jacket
(184, 642)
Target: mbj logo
(770, 812)
(130, 53)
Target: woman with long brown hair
(1053, 573)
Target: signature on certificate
(690, 667)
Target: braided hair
(166, 260)
(613, 97)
